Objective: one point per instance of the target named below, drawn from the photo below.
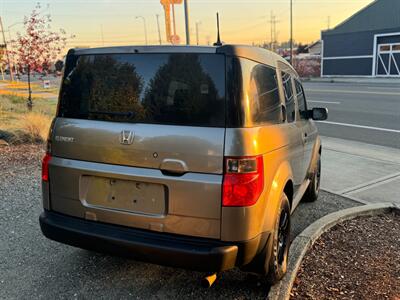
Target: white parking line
(382, 88)
(326, 102)
(360, 126)
(352, 92)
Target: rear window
(175, 89)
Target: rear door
(139, 141)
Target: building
(315, 48)
(367, 44)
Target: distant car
(190, 157)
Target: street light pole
(12, 58)
(159, 32)
(197, 32)
(145, 27)
(187, 22)
(291, 32)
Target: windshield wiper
(128, 114)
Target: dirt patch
(357, 259)
(22, 156)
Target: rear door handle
(173, 167)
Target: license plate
(123, 195)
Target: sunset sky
(108, 22)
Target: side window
(301, 100)
(289, 97)
(266, 106)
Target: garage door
(388, 60)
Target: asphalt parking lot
(32, 267)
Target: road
(367, 113)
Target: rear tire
(312, 191)
(280, 243)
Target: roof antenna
(218, 42)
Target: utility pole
(329, 22)
(145, 28)
(187, 22)
(159, 32)
(272, 31)
(6, 51)
(291, 32)
(272, 23)
(197, 32)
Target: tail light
(46, 159)
(45, 167)
(243, 181)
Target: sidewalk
(365, 172)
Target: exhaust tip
(208, 281)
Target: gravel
(32, 266)
(307, 213)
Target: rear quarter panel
(272, 142)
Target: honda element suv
(191, 157)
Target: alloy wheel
(283, 234)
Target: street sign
(46, 84)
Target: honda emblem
(126, 137)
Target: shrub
(309, 67)
(35, 128)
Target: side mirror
(318, 114)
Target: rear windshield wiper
(128, 114)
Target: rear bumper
(159, 248)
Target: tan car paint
(190, 212)
(196, 207)
(286, 159)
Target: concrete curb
(300, 245)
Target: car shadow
(84, 274)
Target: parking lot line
(360, 126)
(326, 102)
(352, 92)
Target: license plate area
(123, 195)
